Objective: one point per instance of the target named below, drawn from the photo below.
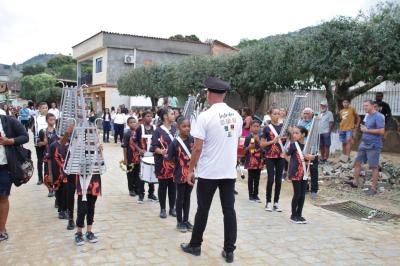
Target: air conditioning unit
(129, 59)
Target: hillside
(38, 59)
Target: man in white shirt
(53, 110)
(216, 133)
(39, 124)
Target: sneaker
(79, 241)
(268, 207)
(313, 195)
(140, 199)
(71, 225)
(91, 238)
(189, 226)
(3, 236)
(172, 212)
(277, 208)
(228, 256)
(302, 220)
(62, 215)
(39, 182)
(257, 199)
(371, 192)
(152, 197)
(188, 248)
(181, 227)
(51, 194)
(251, 199)
(295, 219)
(132, 193)
(163, 214)
(351, 183)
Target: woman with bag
(12, 135)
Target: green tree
(33, 69)
(62, 66)
(244, 43)
(180, 37)
(50, 95)
(31, 85)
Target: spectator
(12, 134)
(24, 116)
(174, 102)
(283, 114)
(349, 120)
(383, 107)
(112, 119)
(53, 110)
(246, 122)
(370, 148)
(7, 109)
(325, 129)
(106, 125)
(119, 124)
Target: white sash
(305, 169)
(167, 131)
(277, 135)
(185, 148)
(147, 136)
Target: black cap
(216, 85)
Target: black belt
(3, 166)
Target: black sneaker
(71, 225)
(257, 199)
(172, 212)
(236, 193)
(62, 215)
(152, 197)
(140, 199)
(91, 238)
(3, 236)
(79, 241)
(39, 182)
(181, 227)
(302, 220)
(228, 256)
(189, 226)
(295, 219)
(163, 214)
(51, 194)
(251, 199)
(196, 251)
(132, 193)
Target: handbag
(23, 166)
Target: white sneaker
(268, 207)
(277, 208)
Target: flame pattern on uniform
(94, 188)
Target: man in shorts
(370, 148)
(325, 129)
(349, 121)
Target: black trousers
(40, 155)
(119, 131)
(141, 188)
(205, 192)
(253, 181)
(61, 197)
(133, 178)
(71, 187)
(163, 186)
(25, 123)
(183, 192)
(86, 209)
(314, 175)
(274, 169)
(299, 195)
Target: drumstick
(162, 145)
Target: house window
(99, 64)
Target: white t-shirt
(220, 127)
(55, 112)
(120, 119)
(3, 156)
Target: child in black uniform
(297, 170)
(180, 152)
(131, 157)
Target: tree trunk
(154, 101)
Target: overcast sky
(31, 27)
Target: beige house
(112, 54)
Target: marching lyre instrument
(312, 143)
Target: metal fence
(314, 98)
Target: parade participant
(349, 121)
(216, 135)
(275, 163)
(254, 161)
(370, 148)
(325, 129)
(306, 121)
(131, 157)
(247, 122)
(56, 154)
(39, 124)
(297, 168)
(12, 133)
(46, 137)
(162, 138)
(86, 209)
(119, 125)
(106, 125)
(179, 152)
(143, 138)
